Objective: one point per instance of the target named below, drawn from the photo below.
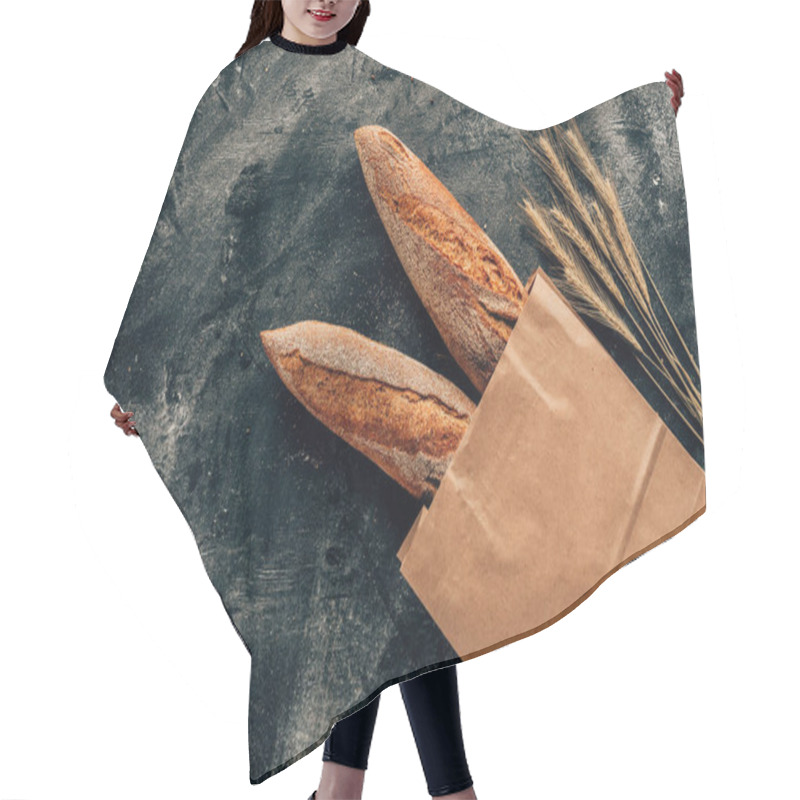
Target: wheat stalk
(578, 286)
(585, 229)
(544, 150)
(645, 309)
(579, 153)
(591, 244)
(577, 283)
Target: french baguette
(402, 415)
(471, 292)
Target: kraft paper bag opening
(565, 474)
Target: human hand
(124, 420)
(675, 82)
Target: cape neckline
(311, 49)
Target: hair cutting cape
(419, 381)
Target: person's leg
(433, 710)
(345, 755)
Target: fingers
(128, 426)
(676, 89)
(124, 420)
(675, 83)
(119, 415)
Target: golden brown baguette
(471, 292)
(404, 416)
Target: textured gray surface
(267, 221)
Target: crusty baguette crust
(471, 292)
(404, 416)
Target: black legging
(432, 706)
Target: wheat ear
(582, 237)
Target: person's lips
(321, 15)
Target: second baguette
(401, 414)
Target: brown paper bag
(564, 475)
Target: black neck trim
(311, 49)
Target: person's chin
(317, 32)
(315, 35)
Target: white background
(120, 673)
